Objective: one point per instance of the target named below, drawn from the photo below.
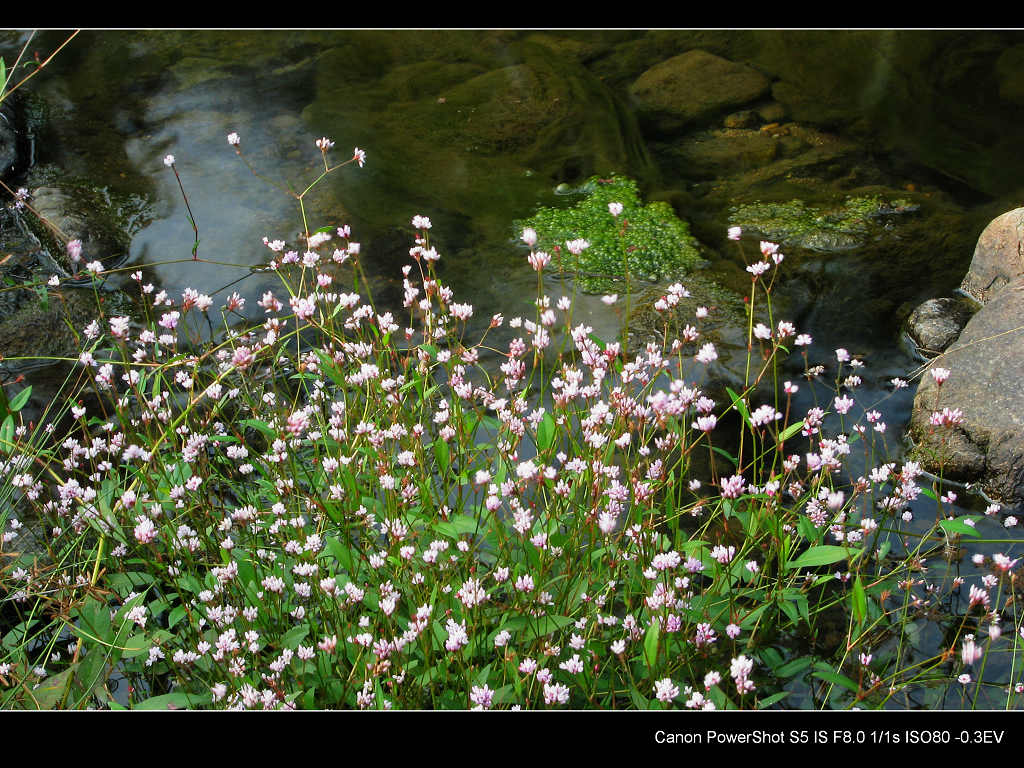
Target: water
(476, 130)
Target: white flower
(234, 139)
(169, 160)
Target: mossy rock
(841, 228)
(648, 239)
(104, 220)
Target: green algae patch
(644, 242)
(841, 228)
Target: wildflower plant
(350, 506)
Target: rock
(845, 227)
(714, 154)
(15, 149)
(693, 87)
(998, 256)
(76, 218)
(8, 144)
(473, 128)
(986, 366)
(34, 321)
(745, 118)
(772, 112)
(936, 323)
(1009, 65)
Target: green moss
(650, 239)
(795, 223)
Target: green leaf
(858, 601)
(7, 433)
(820, 555)
(262, 426)
(771, 657)
(175, 701)
(534, 628)
(92, 673)
(726, 454)
(960, 526)
(51, 691)
(94, 617)
(294, 636)
(545, 432)
(739, 405)
(823, 672)
(639, 701)
(19, 400)
(791, 430)
(790, 610)
(794, 667)
(442, 454)
(137, 645)
(341, 553)
(177, 614)
(651, 645)
(775, 697)
(458, 526)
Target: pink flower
(732, 487)
(707, 354)
(481, 696)
(665, 690)
(843, 404)
(538, 260)
(735, 233)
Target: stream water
(478, 129)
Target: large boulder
(998, 256)
(986, 365)
(693, 87)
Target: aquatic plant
(795, 223)
(643, 242)
(352, 506)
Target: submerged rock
(840, 228)
(65, 208)
(694, 86)
(470, 128)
